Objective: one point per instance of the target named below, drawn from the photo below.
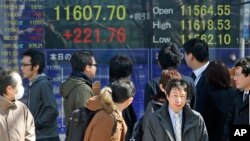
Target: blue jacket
(42, 104)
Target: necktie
(177, 127)
(245, 96)
(193, 76)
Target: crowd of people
(199, 107)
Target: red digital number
(87, 35)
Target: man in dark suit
(169, 57)
(240, 112)
(197, 58)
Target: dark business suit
(152, 88)
(201, 96)
(239, 114)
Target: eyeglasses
(96, 65)
(24, 65)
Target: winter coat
(42, 104)
(100, 127)
(76, 90)
(159, 126)
(239, 114)
(16, 121)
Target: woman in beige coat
(110, 103)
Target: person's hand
(96, 87)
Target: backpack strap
(74, 88)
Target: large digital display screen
(144, 23)
(136, 28)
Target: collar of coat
(190, 118)
(5, 104)
(83, 76)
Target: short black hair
(120, 66)
(36, 58)
(122, 89)
(80, 59)
(177, 83)
(245, 64)
(170, 56)
(198, 48)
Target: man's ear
(36, 67)
(162, 88)
(8, 88)
(190, 56)
(87, 68)
(130, 100)
(167, 96)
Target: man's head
(169, 56)
(33, 63)
(196, 51)
(242, 74)
(84, 61)
(177, 93)
(11, 85)
(120, 66)
(123, 91)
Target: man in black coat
(197, 58)
(169, 57)
(240, 112)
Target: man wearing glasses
(40, 98)
(240, 112)
(77, 89)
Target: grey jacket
(159, 126)
(42, 104)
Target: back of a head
(80, 59)
(6, 79)
(37, 58)
(218, 75)
(169, 56)
(245, 64)
(198, 48)
(120, 66)
(122, 89)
